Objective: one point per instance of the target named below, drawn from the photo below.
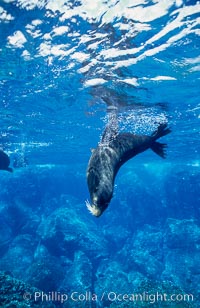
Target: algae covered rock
(46, 273)
(155, 294)
(17, 294)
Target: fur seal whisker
(93, 209)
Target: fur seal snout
(109, 156)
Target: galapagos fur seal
(110, 155)
(4, 161)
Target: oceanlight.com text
(107, 296)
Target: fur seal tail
(157, 147)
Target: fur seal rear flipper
(109, 156)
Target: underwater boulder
(143, 252)
(5, 235)
(19, 256)
(111, 278)
(64, 232)
(78, 282)
(45, 273)
(146, 264)
(115, 234)
(183, 270)
(182, 253)
(19, 217)
(79, 276)
(182, 234)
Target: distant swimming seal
(4, 161)
(109, 156)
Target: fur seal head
(100, 179)
(109, 156)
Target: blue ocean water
(62, 64)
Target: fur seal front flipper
(109, 156)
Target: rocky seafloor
(143, 250)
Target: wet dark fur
(109, 156)
(4, 162)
